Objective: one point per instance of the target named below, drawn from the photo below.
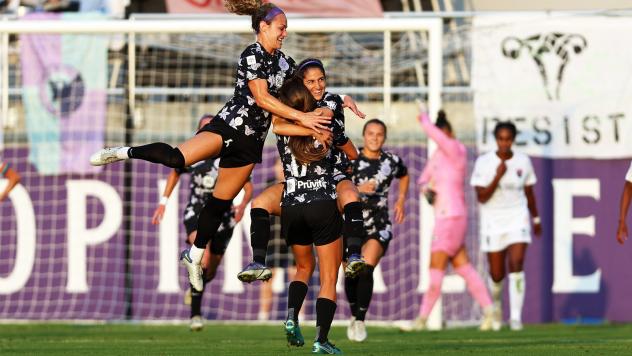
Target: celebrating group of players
(327, 178)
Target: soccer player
(504, 180)
(442, 182)
(373, 173)
(626, 197)
(309, 216)
(11, 175)
(238, 138)
(203, 177)
(312, 72)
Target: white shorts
(499, 242)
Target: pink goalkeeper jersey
(445, 172)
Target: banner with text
(316, 8)
(564, 82)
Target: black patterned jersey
(341, 163)
(375, 209)
(382, 171)
(335, 104)
(305, 184)
(241, 112)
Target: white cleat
(515, 325)
(418, 324)
(105, 156)
(488, 320)
(497, 319)
(196, 323)
(194, 269)
(360, 331)
(351, 329)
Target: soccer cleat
(497, 319)
(488, 319)
(515, 325)
(326, 348)
(254, 272)
(418, 324)
(360, 331)
(194, 269)
(196, 323)
(105, 156)
(187, 297)
(355, 264)
(351, 329)
(293, 334)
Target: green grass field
(127, 339)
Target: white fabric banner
(565, 81)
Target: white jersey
(506, 211)
(628, 176)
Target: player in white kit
(626, 197)
(504, 181)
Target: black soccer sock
(295, 296)
(353, 228)
(351, 290)
(259, 234)
(196, 301)
(365, 291)
(325, 310)
(209, 220)
(158, 152)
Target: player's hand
(622, 232)
(325, 137)
(367, 187)
(348, 102)
(314, 121)
(239, 212)
(3, 197)
(537, 229)
(501, 169)
(158, 214)
(400, 212)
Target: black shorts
(318, 223)
(238, 150)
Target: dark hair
(506, 125)
(295, 95)
(442, 121)
(257, 10)
(374, 121)
(307, 64)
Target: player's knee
(497, 276)
(516, 265)
(260, 202)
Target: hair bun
(243, 7)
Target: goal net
(81, 245)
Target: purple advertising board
(68, 259)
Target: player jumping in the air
(202, 183)
(237, 136)
(312, 73)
